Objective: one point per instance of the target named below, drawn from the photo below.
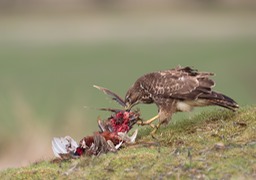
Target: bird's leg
(155, 128)
(148, 122)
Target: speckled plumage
(178, 89)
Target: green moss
(218, 144)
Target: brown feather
(169, 87)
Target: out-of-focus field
(49, 63)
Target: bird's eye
(129, 100)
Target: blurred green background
(53, 52)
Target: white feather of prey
(63, 145)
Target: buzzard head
(133, 97)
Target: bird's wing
(182, 83)
(113, 95)
(64, 145)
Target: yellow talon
(148, 122)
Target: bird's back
(183, 84)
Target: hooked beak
(127, 106)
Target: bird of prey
(176, 90)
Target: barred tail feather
(222, 100)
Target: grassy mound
(212, 145)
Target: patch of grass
(218, 144)
(41, 170)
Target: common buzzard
(176, 90)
